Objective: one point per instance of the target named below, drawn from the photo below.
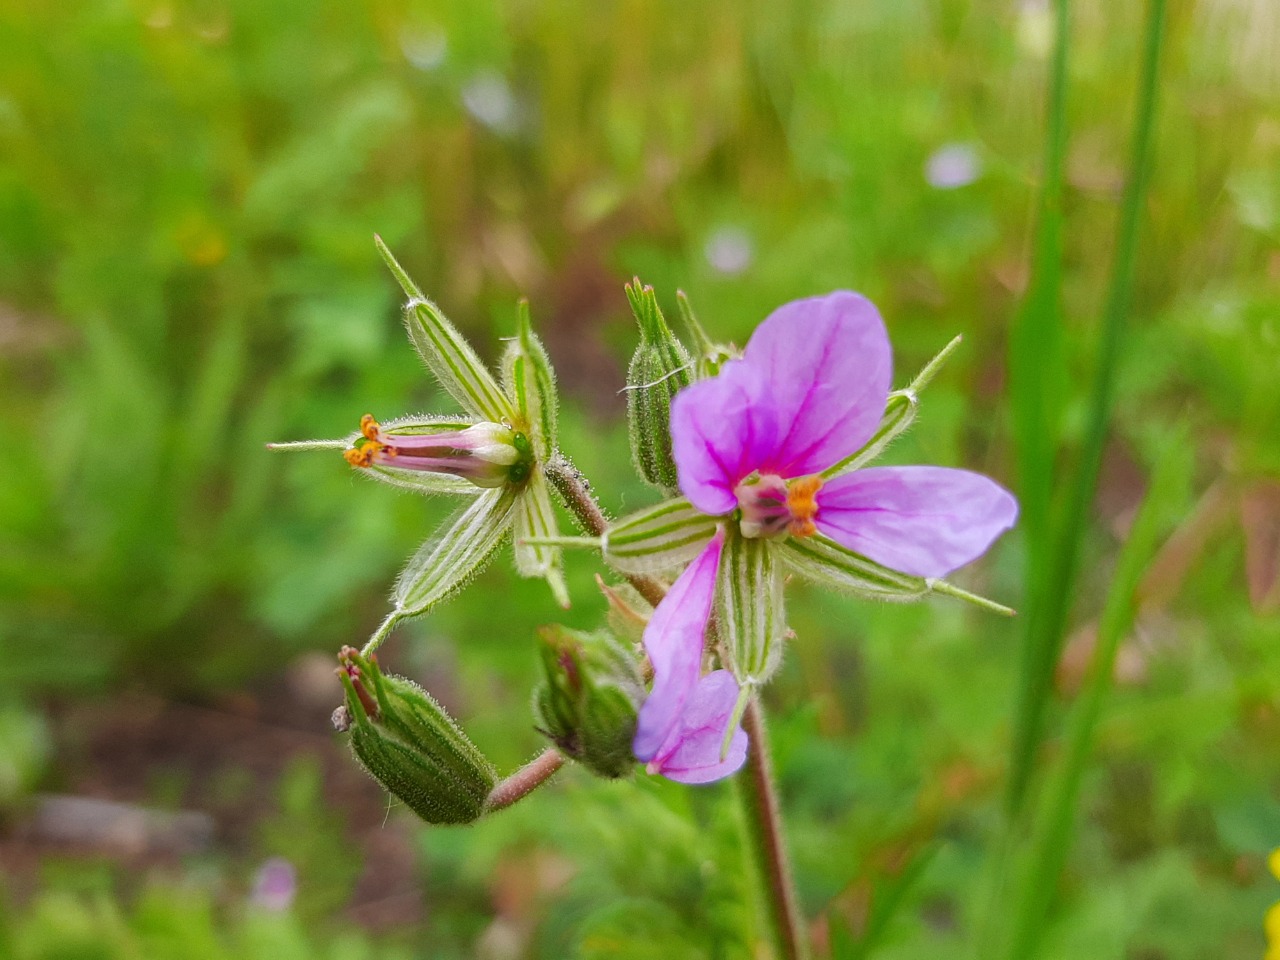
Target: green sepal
(709, 356)
(408, 743)
(458, 551)
(588, 700)
(660, 537)
(749, 603)
(660, 368)
(446, 352)
(822, 560)
(531, 383)
(535, 519)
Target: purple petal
(692, 752)
(673, 640)
(826, 365)
(925, 521)
(722, 430)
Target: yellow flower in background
(1271, 923)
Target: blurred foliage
(187, 196)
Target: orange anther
(361, 456)
(802, 501)
(369, 427)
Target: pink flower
(767, 456)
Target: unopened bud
(660, 368)
(407, 742)
(589, 700)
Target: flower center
(770, 508)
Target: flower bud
(589, 701)
(407, 742)
(487, 454)
(660, 368)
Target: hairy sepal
(454, 363)
(415, 749)
(750, 608)
(456, 553)
(660, 537)
(660, 368)
(536, 518)
(531, 383)
(824, 561)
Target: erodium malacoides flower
(493, 454)
(770, 457)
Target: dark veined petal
(722, 430)
(673, 640)
(924, 521)
(826, 365)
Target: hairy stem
(581, 502)
(764, 824)
(525, 780)
(759, 797)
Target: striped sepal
(535, 517)
(530, 381)
(455, 554)
(658, 538)
(749, 603)
(824, 561)
(454, 363)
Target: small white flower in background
(488, 98)
(275, 885)
(729, 250)
(953, 165)
(424, 48)
(1035, 28)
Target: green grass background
(188, 194)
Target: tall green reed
(1055, 530)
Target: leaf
(750, 606)
(535, 517)
(455, 554)
(658, 538)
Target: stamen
(802, 501)
(369, 427)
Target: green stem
(1049, 615)
(759, 798)
(1037, 376)
(525, 780)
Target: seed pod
(588, 702)
(660, 368)
(407, 742)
